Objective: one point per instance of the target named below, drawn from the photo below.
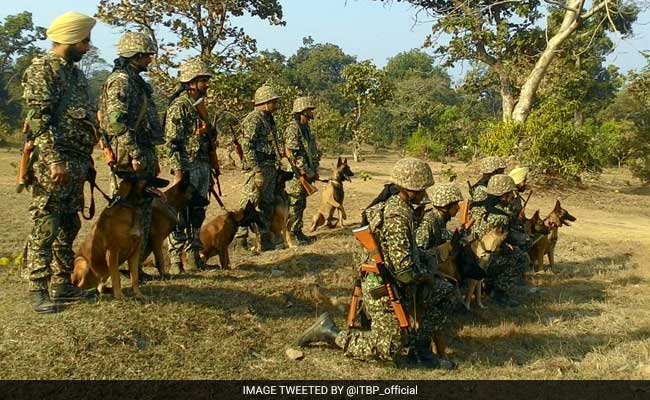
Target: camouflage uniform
(260, 146)
(303, 152)
(488, 166)
(60, 116)
(189, 153)
(129, 117)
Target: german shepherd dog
(280, 219)
(217, 234)
(545, 246)
(115, 238)
(332, 199)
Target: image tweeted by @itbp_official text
(330, 389)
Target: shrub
(500, 139)
(421, 144)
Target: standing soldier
(188, 144)
(261, 150)
(62, 121)
(128, 115)
(303, 153)
(392, 223)
(490, 166)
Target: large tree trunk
(569, 25)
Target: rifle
(464, 214)
(209, 131)
(309, 188)
(523, 207)
(105, 144)
(367, 240)
(238, 148)
(23, 179)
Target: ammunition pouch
(379, 292)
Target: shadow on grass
(300, 265)
(592, 267)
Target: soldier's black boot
(66, 293)
(304, 238)
(295, 238)
(41, 302)
(323, 330)
(423, 357)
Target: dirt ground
(589, 321)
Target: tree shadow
(639, 190)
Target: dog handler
(60, 116)
(304, 154)
(190, 158)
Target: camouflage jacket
(259, 140)
(184, 146)
(487, 221)
(479, 193)
(393, 225)
(432, 231)
(59, 111)
(129, 116)
(301, 147)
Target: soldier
(432, 231)
(62, 120)
(508, 261)
(261, 150)
(392, 224)
(303, 152)
(190, 159)
(128, 115)
(490, 166)
(520, 177)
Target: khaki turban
(70, 28)
(519, 175)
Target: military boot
(266, 243)
(41, 302)
(323, 330)
(422, 357)
(295, 238)
(304, 238)
(67, 293)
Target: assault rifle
(235, 141)
(210, 133)
(523, 207)
(105, 144)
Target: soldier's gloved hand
(136, 164)
(178, 176)
(59, 173)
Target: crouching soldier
(189, 149)
(506, 264)
(432, 231)
(489, 166)
(409, 274)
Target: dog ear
(536, 215)
(338, 162)
(557, 205)
(345, 160)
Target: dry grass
(591, 319)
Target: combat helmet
(412, 174)
(264, 94)
(192, 69)
(491, 164)
(445, 194)
(132, 43)
(500, 184)
(301, 104)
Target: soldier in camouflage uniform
(304, 154)
(432, 231)
(490, 166)
(261, 148)
(190, 159)
(520, 177)
(508, 261)
(62, 120)
(128, 115)
(392, 223)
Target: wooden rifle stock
(354, 304)
(367, 240)
(209, 130)
(105, 144)
(309, 188)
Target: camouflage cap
(500, 184)
(491, 164)
(301, 104)
(264, 94)
(445, 194)
(132, 43)
(192, 69)
(412, 174)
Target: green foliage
(613, 141)
(500, 139)
(421, 144)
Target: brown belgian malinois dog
(545, 246)
(332, 199)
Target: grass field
(588, 321)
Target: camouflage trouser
(297, 204)
(383, 341)
(186, 234)
(54, 210)
(434, 304)
(259, 189)
(506, 268)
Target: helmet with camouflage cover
(192, 69)
(132, 43)
(301, 104)
(412, 174)
(264, 94)
(445, 194)
(500, 184)
(491, 164)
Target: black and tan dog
(217, 234)
(545, 246)
(332, 198)
(280, 219)
(115, 238)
